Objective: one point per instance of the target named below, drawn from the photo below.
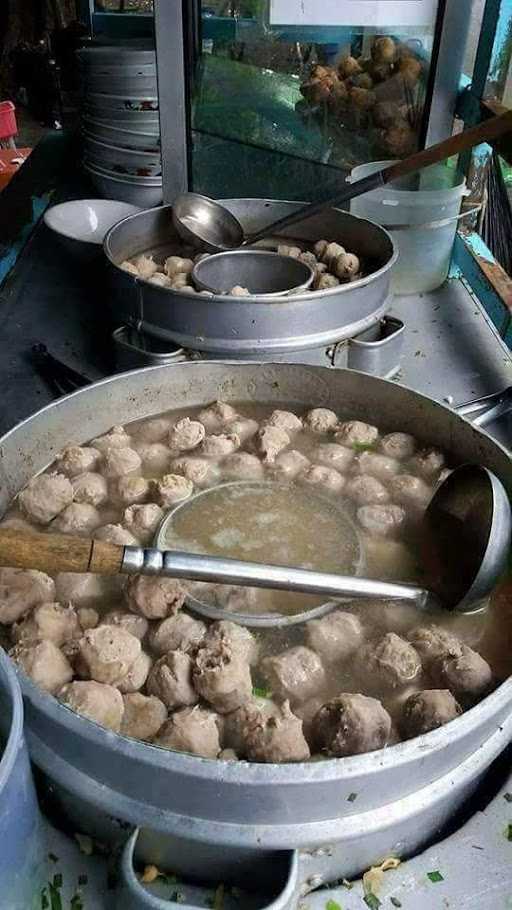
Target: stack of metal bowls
(120, 123)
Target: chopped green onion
(55, 898)
(53, 858)
(395, 902)
(372, 901)
(352, 798)
(260, 692)
(57, 880)
(45, 903)
(508, 797)
(362, 446)
(82, 879)
(509, 832)
(332, 905)
(435, 877)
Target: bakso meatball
(137, 675)
(116, 534)
(45, 497)
(130, 490)
(366, 490)
(331, 253)
(155, 456)
(143, 716)
(351, 725)
(130, 622)
(410, 491)
(219, 446)
(49, 622)
(117, 439)
(221, 676)
(270, 441)
(108, 652)
(90, 488)
(285, 420)
(88, 618)
(428, 710)
(356, 433)
(289, 465)
(333, 455)
(244, 428)
(44, 663)
(129, 267)
(466, 674)
(185, 435)
(242, 466)
(215, 417)
(375, 465)
(84, 589)
(296, 674)
(238, 638)
(391, 662)
(154, 430)
(143, 520)
(21, 590)
(347, 266)
(236, 723)
(177, 265)
(121, 460)
(276, 738)
(428, 463)
(306, 712)
(98, 702)
(381, 521)
(170, 680)
(201, 472)
(75, 460)
(326, 479)
(433, 643)
(154, 598)
(324, 280)
(321, 420)
(398, 445)
(145, 266)
(77, 518)
(173, 488)
(176, 633)
(191, 730)
(384, 50)
(334, 637)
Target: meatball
(177, 265)
(326, 479)
(170, 680)
(145, 266)
(177, 633)
(45, 497)
(154, 430)
(88, 618)
(347, 266)
(238, 638)
(243, 427)
(321, 420)
(351, 725)
(284, 420)
(108, 652)
(391, 662)
(98, 702)
(77, 518)
(143, 520)
(221, 676)
(434, 643)
(75, 460)
(289, 465)
(200, 471)
(143, 716)
(191, 730)
(428, 463)
(130, 490)
(270, 441)
(355, 433)
(117, 439)
(466, 674)
(49, 622)
(237, 722)
(276, 737)
(115, 534)
(215, 417)
(428, 710)
(155, 456)
(173, 488)
(185, 435)
(366, 490)
(398, 445)
(136, 676)
(335, 637)
(381, 521)
(218, 446)
(120, 461)
(306, 712)
(242, 466)
(130, 622)
(410, 491)
(294, 675)
(21, 590)
(154, 598)
(333, 455)
(90, 488)
(84, 589)
(44, 663)
(324, 280)
(379, 466)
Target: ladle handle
(59, 553)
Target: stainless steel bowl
(259, 271)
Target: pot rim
(9, 756)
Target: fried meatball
(398, 445)
(185, 435)
(289, 465)
(221, 676)
(155, 456)
(90, 488)
(191, 730)
(296, 674)
(384, 50)
(173, 488)
(466, 674)
(44, 663)
(48, 622)
(143, 716)
(381, 521)
(326, 479)
(117, 439)
(243, 427)
(375, 465)
(334, 456)
(130, 622)
(428, 710)
(170, 680)
(84, 589)
(428, 463)
(153, 597)
(143, 520)
(356, 433)
(238, 638)
(130, 490)
(321, 420)
(215, 417)
(137, 675)
(284, 420)
(270, 441)
(98, 702)
(176, 633)
(410, 491)
(391, 662)
(45, 497)
(433, 643)
(276, 737)
(220, 445)
(334, 637)
(74, 460)
(116, 534)
(154, 430)
(108, 652)
(77, 518)
(120, 461)
(201, 472)
(366, 490)
(21, 590)
(351, 725)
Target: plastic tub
(423, 223)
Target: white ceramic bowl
(122, 161)
(81, 225)
(145, 192)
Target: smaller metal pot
(260, 272)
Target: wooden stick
(58, 553)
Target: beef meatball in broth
(325, 479)
(75, 460)
(154, 598)
(185, 435)
(284, 420)
(44, 663)
(398, 445)
(143, 520)
(466, 674)
(192, 730)
(173, 488)
(120, 461)
(177, 633)
(50, 621)
(335, 637)
(381, 520)
(78, 519)
(221, 676)
(356, 433)
(277, 737)
(108, 653)
(96, 701)
(143, 716)
(334, 456)
(351, 724)
(366, 490)
(270, 441)
(90, 488)
(391, 663)
(170, 680)
(242, 466)
(320, 420)
(21, 590)
(216, 416)
(294, 675)
(45, 497)
(131, 490)
(428, 710)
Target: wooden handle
(58, 553)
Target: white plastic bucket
(423, 222)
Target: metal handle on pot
(488, 408)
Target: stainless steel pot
(261, 327)
(342, 814)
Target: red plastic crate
(8, 125)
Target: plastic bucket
(8, 125)
(422, 214)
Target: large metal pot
(260, 327)
(402, 794)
